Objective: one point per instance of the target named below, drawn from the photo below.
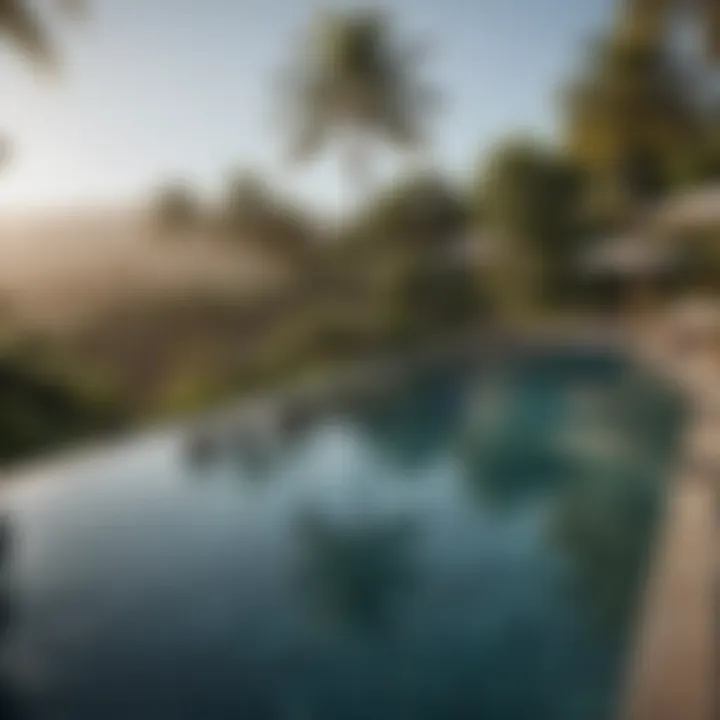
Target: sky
(153, 90)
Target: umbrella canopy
(479, 248)
(629, 256)
(695, 210)
(700, 315)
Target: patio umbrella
(636, 262)
(694, 210)
(629, 257)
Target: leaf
(354, 74)
(21, 24)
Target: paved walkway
(673, 670)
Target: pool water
(462, 544)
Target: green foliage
(392, 275)
(355, 79)
(246, 204)
(700, 163)
(177, 208)
(251, 212)
(631, 121)
(435, 297)
(418, 210)
(700, 261)
(19, 20)
(653, 21)
(41, 410)
(532, 202)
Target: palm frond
(354, 77)
(20, 22)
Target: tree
(356, 81)
(631, 122)
(247, 205)
(652, 20)
(41, 409)
(421, 210)
(21, 23)
(252, 212)
(531, 199)
(177, 208)
(405, 255)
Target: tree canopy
(356, 80)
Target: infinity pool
(460, 544)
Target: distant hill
(61, 267)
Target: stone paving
(673, 667)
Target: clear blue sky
(154, 89)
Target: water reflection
(622, 445)
(201, 447)
(501, 472)
(11, 702)
(5, 558)
(634, 422)
(253, 442)
(339, 589)
(604, 526)
(413, 422)
(252, 461)
(5, 609)
(359, 570)
(5, 539)
(509, 445)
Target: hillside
(61, 267)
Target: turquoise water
(461, 544)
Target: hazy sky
(154, 89)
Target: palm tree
(22, 24)
(356, 82)
(176, 208)
(420, 208)
(247, 205)
(531, 196)
(631, 121)
(253, 213)
(652, 20)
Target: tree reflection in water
(358, 571)
(5, 558)
(10, 704)
(415, 421)
(507, 469)
(605, 526)
(253, 463)
(601, 463)
(606, 520)
(632, 423)
(509, 450)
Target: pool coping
(672, 668)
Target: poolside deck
(673, 670)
